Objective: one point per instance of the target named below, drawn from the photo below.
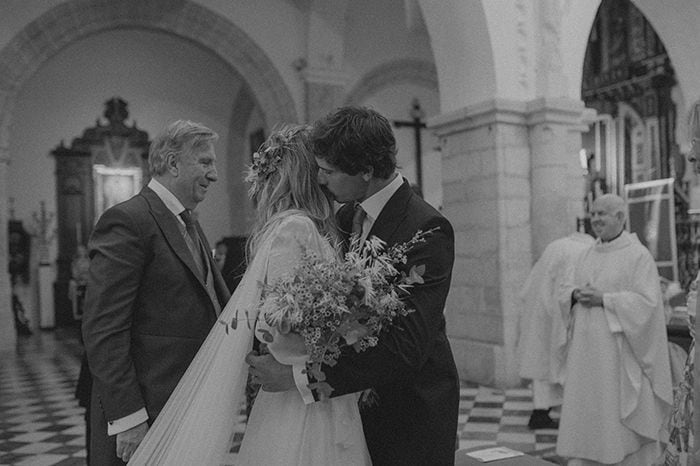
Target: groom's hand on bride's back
(129, 440)
(268, 372)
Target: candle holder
(44, 231)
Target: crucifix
(417, 115)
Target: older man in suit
(153, 292)
(412, 370)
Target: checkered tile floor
(41, 423)
(490, 417)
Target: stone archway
(399, 71)
(73, 20)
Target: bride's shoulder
(294, 222)
(295, 218)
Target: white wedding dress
(197, 423)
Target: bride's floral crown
(266, 162)
(268, 157)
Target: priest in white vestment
(541, 330)
(617, 389)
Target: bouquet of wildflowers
(336, 303)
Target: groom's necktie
(193, 242)
(358, 219)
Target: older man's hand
(129, 440)
(267, 371)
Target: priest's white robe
(617, 389)
(541, 329)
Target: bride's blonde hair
(283, 180)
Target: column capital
(327, 76)
(484, 113)
(514, 112)
(559, 111)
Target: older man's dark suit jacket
(414, 421)
(147, 312)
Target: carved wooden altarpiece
(106, 165)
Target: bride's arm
(293, 237)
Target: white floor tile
(36, 448)
(486, 412)
(519, 405)
(32, 437)
(480, 427)
(42, 460)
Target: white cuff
(613, 322)
(127, 422)
(302, 382)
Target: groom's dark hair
(355, 139)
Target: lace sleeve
(293, 236)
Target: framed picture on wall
(114, 185)
(650, 214)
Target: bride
(197, 423)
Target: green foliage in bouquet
(334, 303)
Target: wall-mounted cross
(417, 115)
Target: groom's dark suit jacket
(414, 421)
(147, 312)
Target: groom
(412, 369)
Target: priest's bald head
(608, 216)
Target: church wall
(382, 36)
(15, 14)
(395, 103)
(278, 27)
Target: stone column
(557, 178)
(506, 164)
(8, 335)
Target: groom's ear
(368, 174)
